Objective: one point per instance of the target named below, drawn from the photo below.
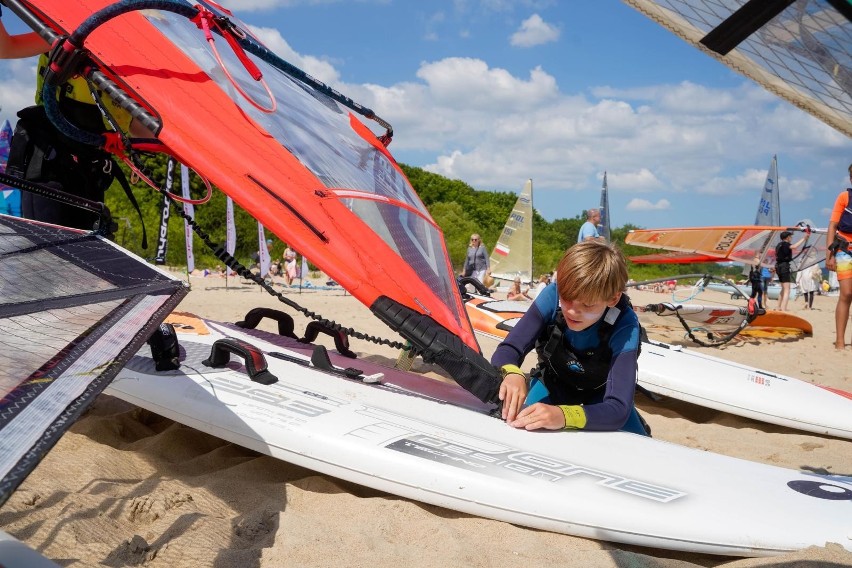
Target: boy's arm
(510, 354)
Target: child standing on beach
(587, 339)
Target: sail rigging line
(137, 169)
(231, 262)
(203, 21)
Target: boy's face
(581, 313)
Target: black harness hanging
(571, 375)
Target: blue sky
(493, 92)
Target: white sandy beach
(125, 487)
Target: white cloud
(17, 89)
(642, 180)
(645, 205)
(494, 129)
(466, 82)
(794, 189)
(534, 31)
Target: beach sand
(125, 487)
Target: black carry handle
(341, 342)
(285, 321)
(255, 362)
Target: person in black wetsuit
(755, 278)
(783, 258)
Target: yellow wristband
(510, 370)
(575, 416)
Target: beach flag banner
(163, 237)
(230, 231)
(263, 251)
(10, 199)
(190, 211)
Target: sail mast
(605, 223)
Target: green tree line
(457, 208)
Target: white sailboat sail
(604, 228)
(512, 255)
(769, 209)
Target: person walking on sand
(756, 281)
(808, 280)
(476, 260)
(838, 258)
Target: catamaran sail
(605, 229)
(512, 255)
(73, 309)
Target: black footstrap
(341, 342)
(286, 325)
(254, 360)
(165, 349)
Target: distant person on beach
(543, 281)
(589, 229)
(838, 258)
(783, 258)
(808, 281)
(766, 277)
(755, 278)
(587, 336)
(476, 260)
(516, 293)
(289, 272)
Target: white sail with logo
(512, 255)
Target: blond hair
(592, 271)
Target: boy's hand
(513, 392)
(540, 416)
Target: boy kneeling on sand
(587, 337)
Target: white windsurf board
(433, 442)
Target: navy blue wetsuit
(607, 408)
